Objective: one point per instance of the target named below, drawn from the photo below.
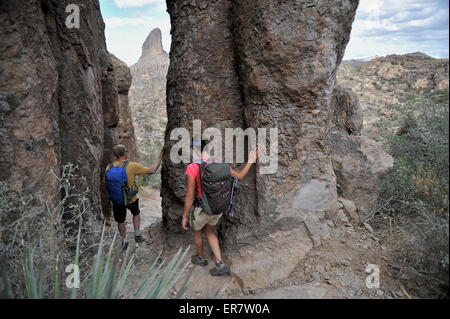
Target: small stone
(345, 262)
(320, 269)
(380, 292)
(350, 209)
(404, 276)
(4, 106)
(341, 217)
(368, 227)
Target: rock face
(148, 97)
(125, 126)
(58, 95)
(236, 64)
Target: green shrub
(416, 192)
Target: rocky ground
(336, 269)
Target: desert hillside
(388, 86)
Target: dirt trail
(337, 269)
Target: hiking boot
(220, 269)
(139, 239)
(202, 261)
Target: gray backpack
(217, 187)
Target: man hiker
(200, 221)
(132, 170)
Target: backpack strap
(200, 164)
(204, 164)
(124, 164)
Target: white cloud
(137, 3)
(388, 26)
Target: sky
(381, 27)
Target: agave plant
(108, 275)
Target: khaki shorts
(198, 218)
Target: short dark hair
(119, 150)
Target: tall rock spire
(153, 43)
(148, 96)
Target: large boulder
(260, 64)
(346, 113)
(361, 166)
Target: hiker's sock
(137, 233)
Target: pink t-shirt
(193, 170)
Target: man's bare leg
(122, 231)
(137, 222)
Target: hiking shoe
(139, 239)
(202, 261)
(220, 269)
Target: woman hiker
(199, 220)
